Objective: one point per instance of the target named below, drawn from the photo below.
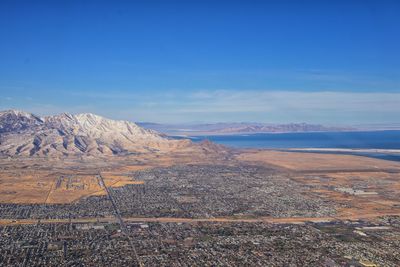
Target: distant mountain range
(238, 128)
(26, 134)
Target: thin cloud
(273, 106)
(266, 100)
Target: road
(120, 220)
(285, 220)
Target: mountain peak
(16, 112)
(89, 116)
(16, 120)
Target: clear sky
(331, 62)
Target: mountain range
(26, 134)
(239, 128)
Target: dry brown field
(300, 161)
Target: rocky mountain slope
(26, 134)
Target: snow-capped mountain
(26, 134)
(15, 120)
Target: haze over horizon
(205, 61)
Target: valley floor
(247, 207)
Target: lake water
(350, 140)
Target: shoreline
(344, 150)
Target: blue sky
(331, 62)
